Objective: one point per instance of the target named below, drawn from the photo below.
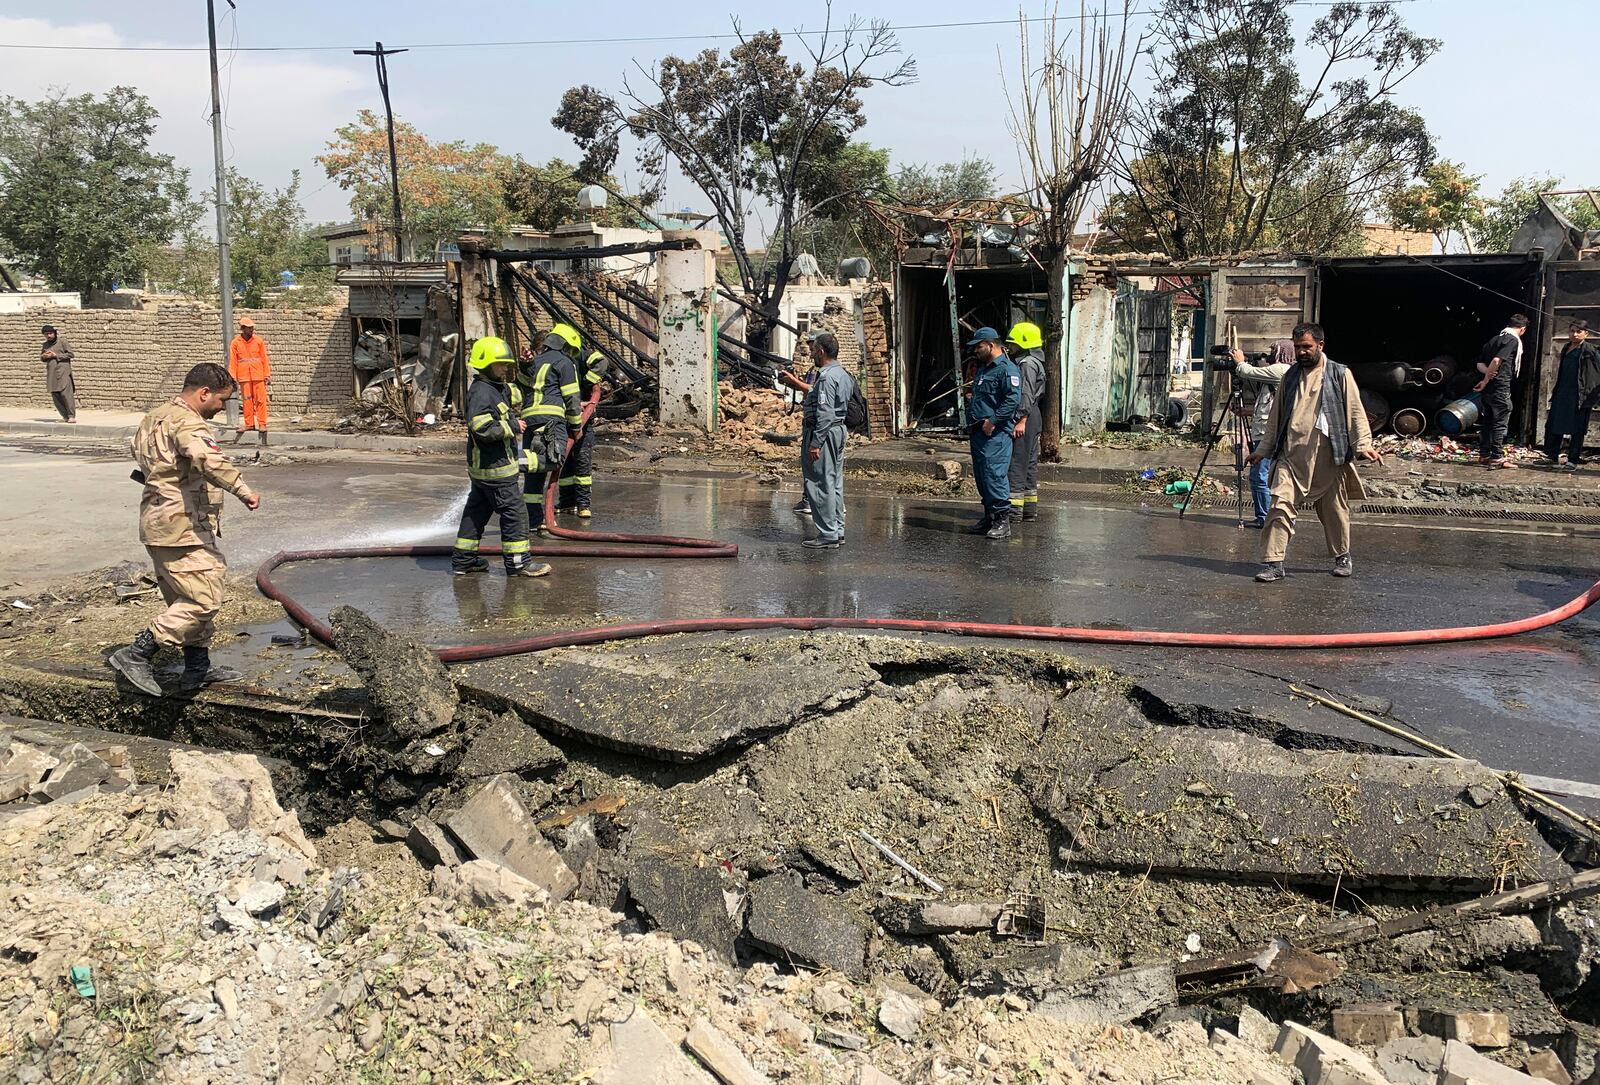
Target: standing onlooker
(822, 436)
(803, 386)
(57, 359)
(1576, 394)
(250, 365)
(1499, 363)
(1317, 431)
(1266, 379)
(991, 414)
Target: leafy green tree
(1519, 199)
(970, 178)
(750, 128)
(1446, 203)
(836, 187)
(267, 235)
(445, 188)
(83, 199)
(547, 196)
(1235, 145)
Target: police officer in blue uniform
(996, 399)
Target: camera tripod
(1238, 429)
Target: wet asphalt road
(1530, 703)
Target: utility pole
(379, 54)
(224, 270)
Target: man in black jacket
(1576, 394)
(1499, 363)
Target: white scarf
(1516, 363)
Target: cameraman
(1266, 378)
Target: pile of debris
(807, 857)
(1175, 482)
(38, 768)
(192, 934)
(1004, 824)
(752, 416)
(1441, 449)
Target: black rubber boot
(135, 663)
(198, 671)
(1030, 512)
(477, 565)
(1017, 514)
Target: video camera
(1221, 358)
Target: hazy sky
(1504, 98)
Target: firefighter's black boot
(135, 663)
(199, 672)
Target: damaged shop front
(1116, 350)
(1411, 327)
(406, 336)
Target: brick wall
(864, 350)
(133, 360)
(879, 384)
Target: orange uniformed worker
(180, 519)
(252, 369)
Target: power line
(662, 38)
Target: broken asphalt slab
(794, 924)
(685, 899)
(506, 744)
(402, 676)
(674, 702)
(1214, 803)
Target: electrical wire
(643, 40)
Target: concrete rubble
(494, 826)
(407, 981)
(35, 769)
(732, 924)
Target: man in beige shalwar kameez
(1317, 431)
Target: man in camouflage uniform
(180, 519)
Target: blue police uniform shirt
(996, 393)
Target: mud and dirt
(947, 754)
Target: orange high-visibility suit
(249, 364)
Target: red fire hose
(669, 546)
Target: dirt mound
(189, 957)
